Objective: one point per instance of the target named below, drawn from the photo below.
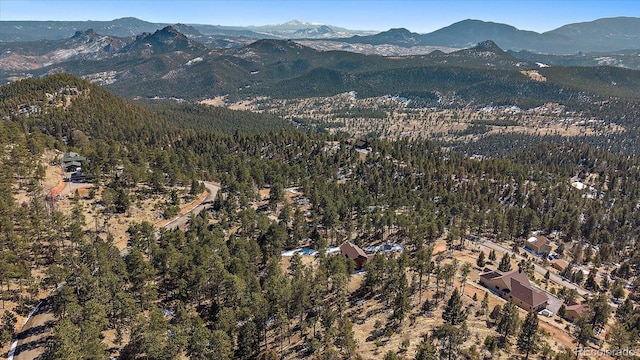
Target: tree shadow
(41, 342)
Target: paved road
(539, 269)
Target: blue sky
(416, 15)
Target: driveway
(553, 304)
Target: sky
(420, 16)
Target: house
(72, 161)
(538, 245)
(515, 286)
(362, 145)
(559, 264)
(573, 312)
(354, 253)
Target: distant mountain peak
(128, 18)
(165, 40)
(322, 30)
(80, 33)
(187, 30)
(486, 52)
(167, 33)
(490, 46)
(300, 23)
(170, 29)
(398, 31)
(397, 36)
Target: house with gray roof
(72, 161)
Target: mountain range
(167, 63)
(602, 35)
(609, 34)
(14, 31)
(185, 61)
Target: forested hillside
(221, 289)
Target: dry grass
(402, 121)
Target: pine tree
(484, 306)
(624, 310)
(547, 276)
(505, 263)
(66, 343)
(422, 265)
(507, 324)
(481, 260)
(7, 327)
(599, 311)
(619, 337)
(590, 283)
(584, 330)
(453, 313)
(528, 338)
(401, 303)
(618, 292)
(450, 338)
(464, 275)
(426, 349)
(492, 255)
(122, 201)
(562, 312)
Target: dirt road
(181, 221)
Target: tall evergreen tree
(480, 262)
(454, 313)
(426, 349)
(528, 340)
(505, 263)
(507, 324)
(450, 338)
(492, 255)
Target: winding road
(181, 220)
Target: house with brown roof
(573, 312)
(538, 245)
(355, 253)
(559, 264)
(515, 286)
(361, 145)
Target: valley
(394, 118)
